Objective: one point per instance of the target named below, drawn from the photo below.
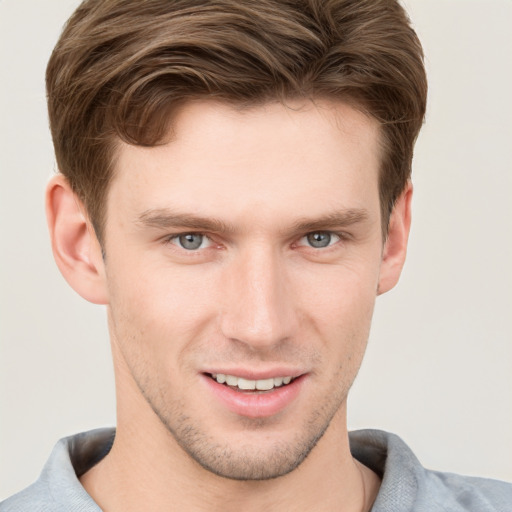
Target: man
(235, 188)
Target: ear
(75, 246)
(395, 247)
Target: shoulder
(467, 494)
(409, 487)
(35, 498)
(58, 488)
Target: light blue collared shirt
(406, 485)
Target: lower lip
(255, 404)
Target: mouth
(251, 386)
(254, 398)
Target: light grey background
(439, 365)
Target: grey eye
(191, 241)
(319, 240)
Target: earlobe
(76, 249)
(395, 247)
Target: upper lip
(251, 374)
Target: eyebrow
(333, 220)
(163, 218)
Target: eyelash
(172, 238)
(329, 233)
(340, 238)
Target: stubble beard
(249, 462)
(253, 461)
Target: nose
(258, 308)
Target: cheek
(350, 320)
(157, 307)
(338, 306)
(340, 293)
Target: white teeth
(246, 384)
(278, 381)
(231, 380)
(249, 385)
(264, 384)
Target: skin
(254, 297)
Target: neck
(147, 470)
(152, 472)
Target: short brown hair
(120, 67)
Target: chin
(252, 454)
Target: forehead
(272, 157)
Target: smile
(255, 398)
(251, 385)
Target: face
(242, 265)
